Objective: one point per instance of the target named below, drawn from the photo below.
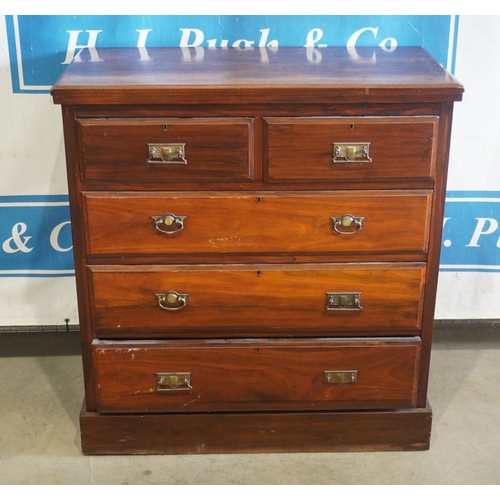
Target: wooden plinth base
(285, 432)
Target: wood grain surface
(232, 300)
(278, 223)
(256, 376)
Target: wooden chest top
(255, 75)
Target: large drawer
(170, 149)
(230, 300)
(167, 224)
(340, 149)
(255, 375)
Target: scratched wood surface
(256, 376)
(237, 300)
(278, 223)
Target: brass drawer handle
(344, 301)
(173, 152)
(347, 224)
(351, 152)
(341, 377)
(169, 223)
(172, 301)
(169, 382)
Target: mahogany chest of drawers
(256, 238)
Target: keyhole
(259, 199)
(165, 128)
(351, 126)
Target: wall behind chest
(36, 272)
(469, 281)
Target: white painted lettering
(353, 39)
(480, 230)
(141, 45)
(446, 243)
(15, 243)
(186, 36)
(389, 44)
(263, 39)
(73, 45)
(54, 237)
(193, 37)
(313, 37)
(143, 36)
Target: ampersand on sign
(15, 243)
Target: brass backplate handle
(347, 224)
(341, 377)
(172, 301)
(170, 382)
(171, 152)
(343, 301)
(351, 152)
(169, 223)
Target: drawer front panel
(255, 376)
(340, 149)
(150, 150)
(232, 299)
(267, 223)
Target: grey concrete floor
(41, 394)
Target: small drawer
(173, 224)
(349, 149)
(255, 375)
(170, 149)
(207, 300)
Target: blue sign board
(471, 233)
(35, 236)
(41, 46)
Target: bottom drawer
(189, 376)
